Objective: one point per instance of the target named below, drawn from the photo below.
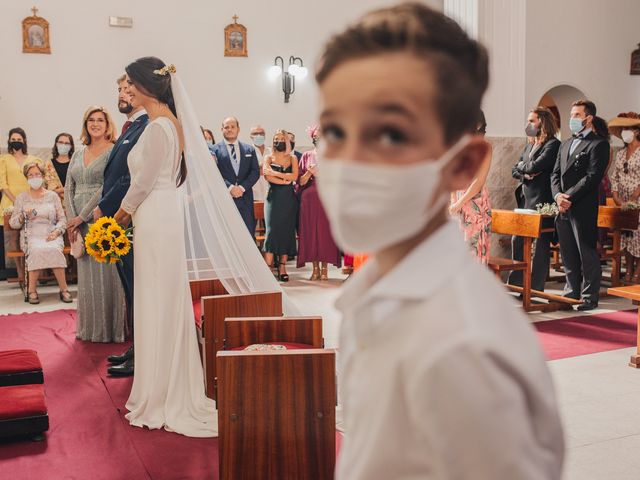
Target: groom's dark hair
(150, 76)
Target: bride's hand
(122, 217)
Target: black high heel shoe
(283, 277)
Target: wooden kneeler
(299, 332)
(214, 311)
(276, 414)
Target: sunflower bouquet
(107, 241)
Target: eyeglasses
(34, 176)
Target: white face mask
(628, 136)
(372, 207)
(63, 148)
(35, 182)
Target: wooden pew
(631, 292)
(218, 307)
(528, 226)
(617, 221)
(240, 332)
(261, 229)
(276, 414)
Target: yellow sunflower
(104, 223)
(122, 247)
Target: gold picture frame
(235, 39)
(35, 34)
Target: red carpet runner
(89, 437)
(576, 336)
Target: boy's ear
(464, 167)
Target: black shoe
(123, 357)
(123, 370)
(587, 305)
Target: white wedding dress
(168, 386)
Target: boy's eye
(392, 137)
(332, 134)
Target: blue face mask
(210, 143)
(576, 125)
(63, 148)
(258, 140)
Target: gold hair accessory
(166, 69)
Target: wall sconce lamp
(295, 69)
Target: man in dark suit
(533, 170)
(580, 166)
(116, 184)
(238, 165)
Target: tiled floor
(597, 393)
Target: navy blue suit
(116, 183)
(248, 175)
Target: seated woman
(38, 213)
(625, 183)
(281, 208)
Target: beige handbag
(77, 246)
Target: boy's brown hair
(459, 63)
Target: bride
(186, 227)
(168, 389)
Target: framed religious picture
(235, 39)
(35, 34)
(635, 61)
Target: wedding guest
(533, 170)
(582, 162)
(238, 165)
(101, 304)
(467, 392)
(13, 182)
(281, 208)
(315, 243)
(292, 140)
(472, 206)
(258, 135)
(625, 183)
(601, 129)
(208, 136)
(61, 153)
(38, 213)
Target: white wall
(586, 44)
(47, 94)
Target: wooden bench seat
(498, 264)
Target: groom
(116, 184)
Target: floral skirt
(475, 223)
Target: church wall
(47, 94)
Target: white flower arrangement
(630, 206)
(550, 209)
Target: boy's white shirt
(442, 376)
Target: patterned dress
(625, 184)
(50, 216)
(101, 302)
(475, 222)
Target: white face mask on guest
(35, 182)
(372, 207)
(627, 136)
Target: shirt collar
(227, 143)
(137, 115)
(429, 266)
(583, 134)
